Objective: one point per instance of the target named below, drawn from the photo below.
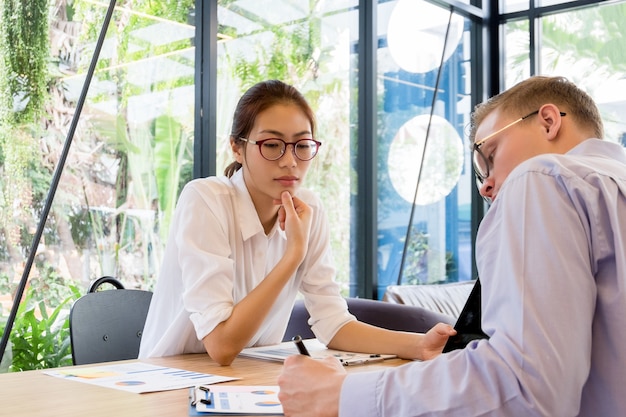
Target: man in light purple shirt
(551, 255)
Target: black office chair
(378, 313)
(107, 325)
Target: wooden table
(32, 393)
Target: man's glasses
(274, 148)
(480, 161)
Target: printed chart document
(317, 350)
(235, 400)
(138, 377)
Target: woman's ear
(237, 150)
(550, 119)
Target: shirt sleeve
(538, 299)
(204, 256)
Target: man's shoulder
(588, 160)
(580, 176)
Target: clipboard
(234, 400)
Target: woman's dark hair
(257, 99)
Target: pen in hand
(300, 345)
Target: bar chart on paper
(138, 377)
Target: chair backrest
(107, 325)
(378, 313)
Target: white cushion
(444, 298)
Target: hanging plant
(23, 59)
(23, 92)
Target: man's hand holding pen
(311, 387)
(300, 345)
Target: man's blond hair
(532, 93)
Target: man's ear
(237, 150)
(550, 119)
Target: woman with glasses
(243, 245)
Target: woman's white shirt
(217, 252)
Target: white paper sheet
(138, 377)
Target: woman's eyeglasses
(480, 161)
(274, 148)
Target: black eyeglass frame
(480, 177)
(260, 143)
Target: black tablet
(468, 326)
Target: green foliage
(291, 57)
(419, 268)
(153, 159)
(5, 285)
(40, 337)
(172, 154)
(604, 28)
(154, 156)
(416, 266)
(24, 51)
(50, 284)
(46, 282)
(294, 55)
(24, 77)
(175, 10)
(19, 182)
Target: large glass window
(131, 152)
(516, 41)
(424, 178)
(509, 6)
(587, 46)
(584, 45)
(315, 48)
(307, 45)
